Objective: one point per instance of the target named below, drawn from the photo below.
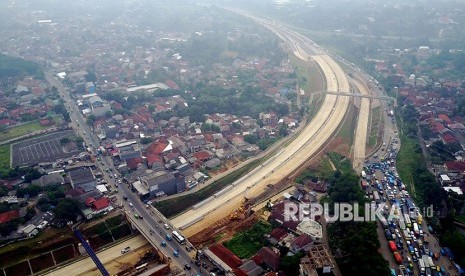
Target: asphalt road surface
(151, 220)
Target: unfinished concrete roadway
(361, 128)
(303, 147)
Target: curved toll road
(361, 129)
(306, 145)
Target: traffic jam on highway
(413, 248)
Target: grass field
(406, 160)
(347, 130)
(375, 125)
(25, 128)
(247, 243)
(323, 170)
(5, 157)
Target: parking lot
(42, 149)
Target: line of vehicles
(403, 223)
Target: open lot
(23, 129)
(42, 149)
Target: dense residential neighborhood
(118, 118)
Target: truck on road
(392, 246)
(416, 230)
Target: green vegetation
(411, 164)
(174, 206)
(24, 129)
(347, 130)
(323, 171)
(67, 209)
(4, 157)
(375, 126)
(12, 67)
(355, 244)
(247, 243)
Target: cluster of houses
(30, 99)
(297, 236)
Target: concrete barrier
(201, 203)
(192, 222)
(225, 189)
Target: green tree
(67, 209)
(91, 76)
(146, 140)
(64, 141)
(91, 119)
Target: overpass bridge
(352, 94)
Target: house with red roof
(270, 258)
(98, 205)
(277, 235)
(8, 216)
(448, 138)
(277, 216)
(133, 163)
(223, 257)
(7, 122)
(445, 118)
(301, 243)
(171, 84)
(455, 166)
(202, 156)
(101, 204)
(158, 148)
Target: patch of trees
(210, 127)
(31, 191)
(12, 67)
(427, 189)
(53, 195)
(67, 209)
(250, 102)
(354, 244)
(60, 109)
(146, 140)
(440, 152)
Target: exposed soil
(222, 230)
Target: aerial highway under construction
(306, 145)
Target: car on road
(176, 253)
(166, 226)
(163, 243)
(125, 250)
(187, 266)
(125, 197)
(130, 204)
